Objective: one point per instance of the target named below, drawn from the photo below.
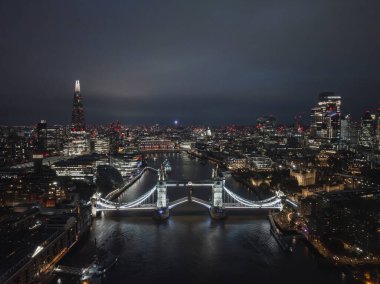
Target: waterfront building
(127, 166)
(156, 144)
(234, 164)
(79, 168)
(38, 242)
(187, 145)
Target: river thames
(190, 247)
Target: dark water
(192, 248)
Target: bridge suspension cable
(114, 205)
(272, 202)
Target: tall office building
(42, 135)
(326, 117)
(77, 119)
(266, 125)
(366, 136)
(345, 127)
(377, 127)
(54, 141)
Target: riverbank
(321, 249)
(278, 235)
(243, 181)
(117, 192)
(163, 150)
(342, 260)
(222, 165)
(206, 157)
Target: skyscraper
(377, 127)
(326, 116)
(42, 135)
(367, 133)
(77, 119)
(266, 125)
(345, 128)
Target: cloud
(210, 61)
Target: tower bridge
(156, 199)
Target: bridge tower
(216, 209)
(162, 210)
(94, 199)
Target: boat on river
(95, 270)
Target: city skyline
(78, 113)
(143, 63)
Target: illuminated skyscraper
(326, 116)
(377, 127)
(77, 118)
(266, 125)
(367, 134)
(345, 128)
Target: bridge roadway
(187, 183)
(68, 270)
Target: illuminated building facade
(79, 168)
(161, 144)
(127, 167)
(304, 177)
(101, 145)
(54, 139)
(234, 164)
(261, 164)
(77, 144)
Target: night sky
(208, 62)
